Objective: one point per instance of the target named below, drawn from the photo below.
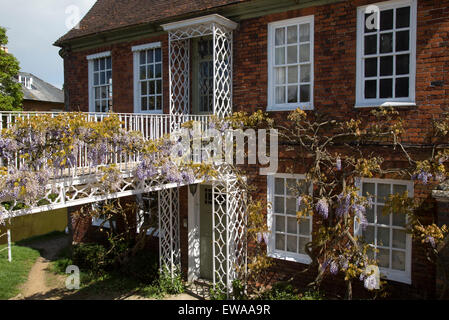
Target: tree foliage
(11, 94)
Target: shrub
(143, 266)
(92, 257)
(281, 291)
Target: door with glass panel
(203, 76)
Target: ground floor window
(288, 237)
(386, 232)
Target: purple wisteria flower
(422, 176)
(333, 267)
(338, 164)
(188, 176)
(370, 282)
(299, 201)
(431, 240)
(322, 207)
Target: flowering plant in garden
(49, 148)
(333, 156)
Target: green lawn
(13, 274)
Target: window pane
(280, 242)
(383, 237)
(143, 73)
(304, 32)
(108, 63)
(305, 93)
(280, 223)
(280, 56)
(304, 53)
(368, 234)
(383, 258)
(143, 105)
(292, 34)
(291, 206)
(151, 103)
(143, 57)
(102, 64)
(280, 36)
(143, 88)
(399, 239)
(371, 44)
(292, 225)
(150, 72)
(402, 87)
(291, 187)
(292, 54)
(386, 43)
(279, 185)
(102, 77)
(158, 86)
(370, 89)
(402, 64)
(97, 93)
(386, 20)
(158, 55)
(96, 78)
(292, 94)
(150, 54)
(386, 66)
(370, 214)
(292, 243)
(305, 73)
(383, 191)
(371, 67)
(402, 41)
(151, 87)
(302, 244)
(386, 88)
(399, 188)
(403, 17)
(398, 260)
(158, 71)
(158, 103)
(96, 65)
(280, 75)
(304, 227)
(399, 219)
(368, 188)
(279, 205)
(382, 218)
(280, 94)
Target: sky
(32, 26)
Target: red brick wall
(334, 92)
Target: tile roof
(41, 90)
(108, 15)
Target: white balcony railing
(152, 127)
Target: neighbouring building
(157, 57)
(39, 95)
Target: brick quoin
(334, 93)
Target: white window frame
(391, 274)
(271, 247)
(90, 60)
(361, 102)
(136, 67)
(272, 106)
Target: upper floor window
(100, 82)
(148, 78)
(386, 233)
(288, 237)
(290, 64)
(27, 82)
(386, 54)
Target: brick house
(39, 95)
(156, 57)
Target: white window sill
(393, 275)
(299, 258)
(394, 104)
(289, 107)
